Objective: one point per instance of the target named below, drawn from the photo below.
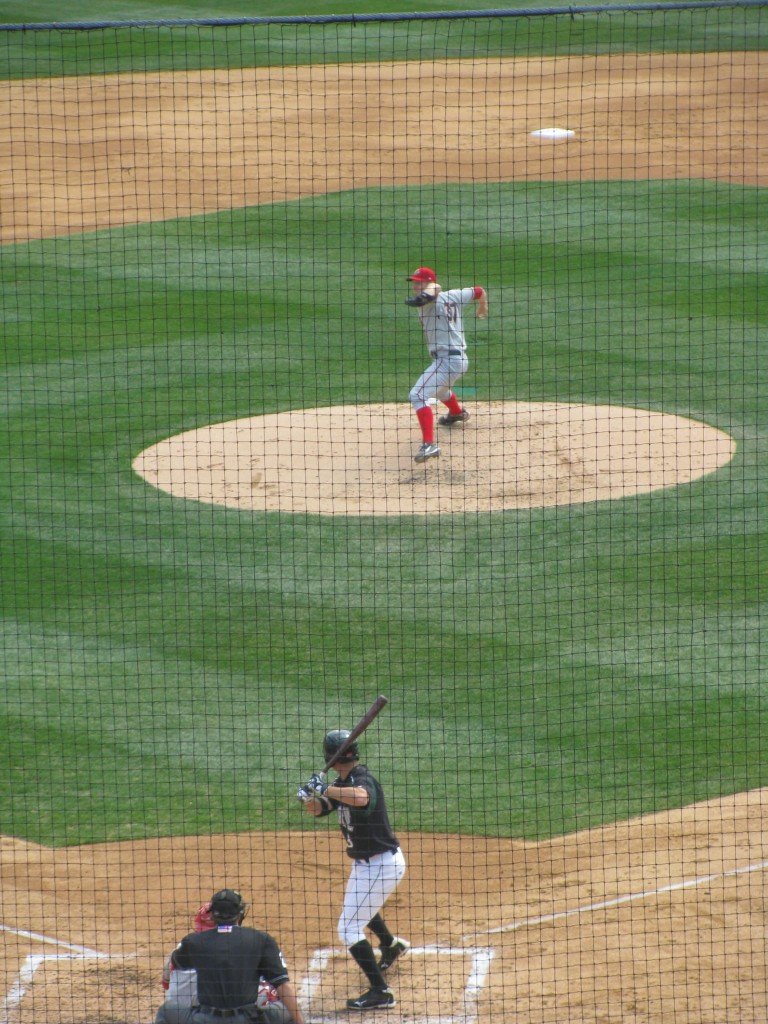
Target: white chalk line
(37, 937)
(690, 883)
(34, 961)
(481, 958)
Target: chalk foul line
(34, 961)
(46, 939)
(689, 883)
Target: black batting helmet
(227, 906)
(334, 740)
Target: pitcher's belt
(448, 352)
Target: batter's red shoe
(373, 999)
(398, 948)
(449, 419)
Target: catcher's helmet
(227, 906)
(334, 740)
(203, 919)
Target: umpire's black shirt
(229, 961)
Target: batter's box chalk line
(34, 961)
(480, 958)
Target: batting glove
(316, 784)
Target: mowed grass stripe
(169, 666)
(46, 53)
(126, 10)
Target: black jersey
(366, 830)
(230, 961)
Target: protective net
(267, 458)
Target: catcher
(181, 986)
(377, 868)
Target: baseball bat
(358, 730)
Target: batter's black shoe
(427, 451)
(398, 948)
(449, 419)
(373, 999)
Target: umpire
(230, 961)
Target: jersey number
(451, 312)
(345, 822)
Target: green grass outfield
(37, 11)
(169, 667)
(44, 53)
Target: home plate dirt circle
(356, 460)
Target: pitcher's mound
(357, 460)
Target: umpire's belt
(216, 1011)
(448, 352)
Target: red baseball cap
(423, 274)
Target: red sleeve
(479, 292)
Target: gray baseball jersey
(442, 321)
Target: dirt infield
(358, 460)
(86, 153)
(657, 919)
(621, 924)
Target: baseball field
(215, 544)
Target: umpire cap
(227, 905)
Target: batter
(440, 315)
(378, 864)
